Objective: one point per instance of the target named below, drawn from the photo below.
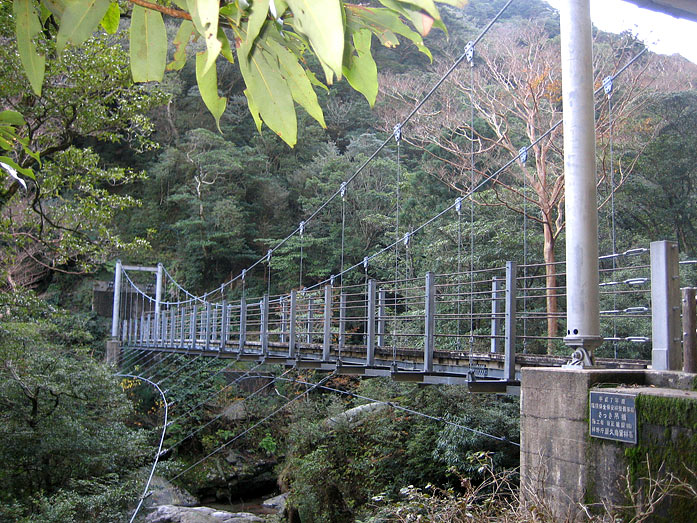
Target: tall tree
(62, 220)
(513, 90)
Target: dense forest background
(140, 172)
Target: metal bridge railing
(415, 323)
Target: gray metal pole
(243, 324)
(173, 326)
(510, 336)
(158, 299)
(208, 325)
(327, 334)
(192, 326)
(265, 325)
(689, 330)
(117, 301)
(370, 328)
(284, 319)
(495, 312)
(182, 333)
(583, 309)
(665, 307)
(291, 326)
(342, 321)
(430, 321)
(381, 317)
(310, 303)
(223, 326)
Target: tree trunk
(551, 283)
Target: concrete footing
(562, 466)
(113, 352)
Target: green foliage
(335, 470)
(268, 444)
(65, 448)
(274, 41)
(62, 220)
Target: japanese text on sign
(613, 416)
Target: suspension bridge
(474, 326)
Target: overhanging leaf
(148, 45)
(12, 118)
(79, 20)
(256, 19)
(265, 82)
(384, 23)
(208, 87)
(28, 28)
(422, 21)
(204, 14)
(253, 109)
(180, 41)
(110, 22)
(225, 50)
(361, 70)
(300, 87)
(321, 21)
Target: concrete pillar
(556, 468)
(113, 352)
(583, 310)
(689, 330)
(665, 306)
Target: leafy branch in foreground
(272, 40)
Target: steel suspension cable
(216, 418)
(360, 169)
(397, 406)
(226, 387)
(159, 448)
(249, 429)
(485, 180)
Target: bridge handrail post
(310, 303)
(192, 325)
(172, 327)
(665, 306)
(342, 320)
(370, 342)
(162, 338)
(510, 327)
(117, 301)
(141, 329)
(381, 317)
(689, 330)
(429, 321)
(292, 320)
(265, 325)
(182, 333)
(284, 319)
(327, 334)
(495, 315)
(243, 325)
(207, 327)
(223, 325)
(158, 300)
(214, 323)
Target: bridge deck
(482, 372)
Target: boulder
(356, 416)
(174, 514)
(165, 493)
(277, 503)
